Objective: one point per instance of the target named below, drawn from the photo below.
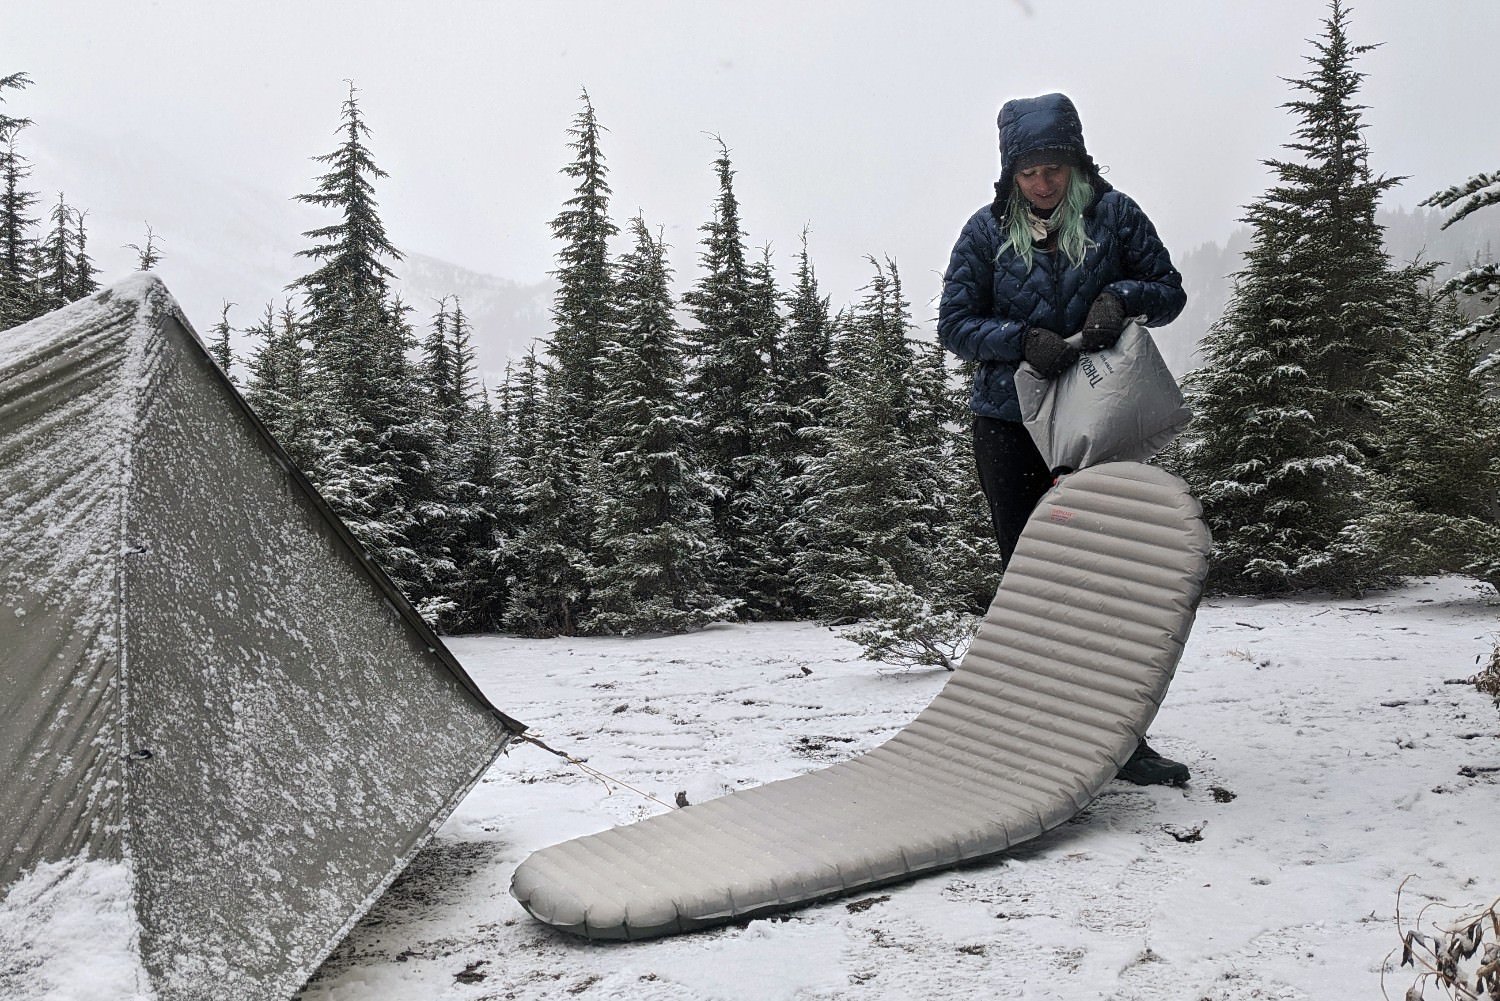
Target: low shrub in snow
(1488, 678)
(1452, 954)
(918, 638)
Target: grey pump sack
(1119, 404)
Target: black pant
(1013, 475)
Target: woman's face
(1045, 184)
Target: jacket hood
(1031, 128)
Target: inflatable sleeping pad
(1068, 668)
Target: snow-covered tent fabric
(202, 677)
(1068, 669)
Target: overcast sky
(874, 122)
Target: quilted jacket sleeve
(1152, 287)
(967, 324)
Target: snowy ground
(1329, 759)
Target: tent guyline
(582, 765)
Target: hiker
(1058, 252)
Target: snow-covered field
(1330, 760)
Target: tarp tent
(202, 677)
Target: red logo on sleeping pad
(1061, 515)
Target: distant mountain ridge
(225, 239)
(506, 316)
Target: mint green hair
(1072, 239)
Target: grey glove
(1048, 353)
(1103, 325)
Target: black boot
(1148, 768)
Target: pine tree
(454, 521)
(893, 532)
(17, 244)
(411, 441)
(18, 254)
(265, 390)
(447, 366)
(549, 572)
(85, 275)
(581, 325)
(278, 385)
(461, 355)
(1481, 280)
(1284, 403)
(800, 389)
(486, 507)
(728, 382)
(656, 547)
(347, 316)
(219, 348)
(55, 277)
(374, 439)
(766, 514)
(10, 126)
(804, 357)
(965, 560)
(866, 543)
(1433, 503)
(581, 320)
(149, 256)
(437, 364)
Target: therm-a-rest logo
(1091, 369)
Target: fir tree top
(10, 126)
(149, 256)
(1332, 181)
(581, 305)
(353, 250)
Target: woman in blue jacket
(1058, 252)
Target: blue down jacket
(990, 299)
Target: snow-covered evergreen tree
(571, 387)
(549, 572)
(416, 444)
(1284, 404)
(218, 346)
(1481, 280)
(150, 255)
(278, 382)
(1433, 504)
(55, 277)
(765, 512)
(347, 316)
(461, 358)
(484, 502)
(656, 547)
(727, 380)
(437, 365)
(581, 307)
(965, 560)
(85, 275)
(17, 242)
(456, 518)
(10, 125)
(373, 435)
(867, 545)
(807, 346)
(800, 389)
(266, 389)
